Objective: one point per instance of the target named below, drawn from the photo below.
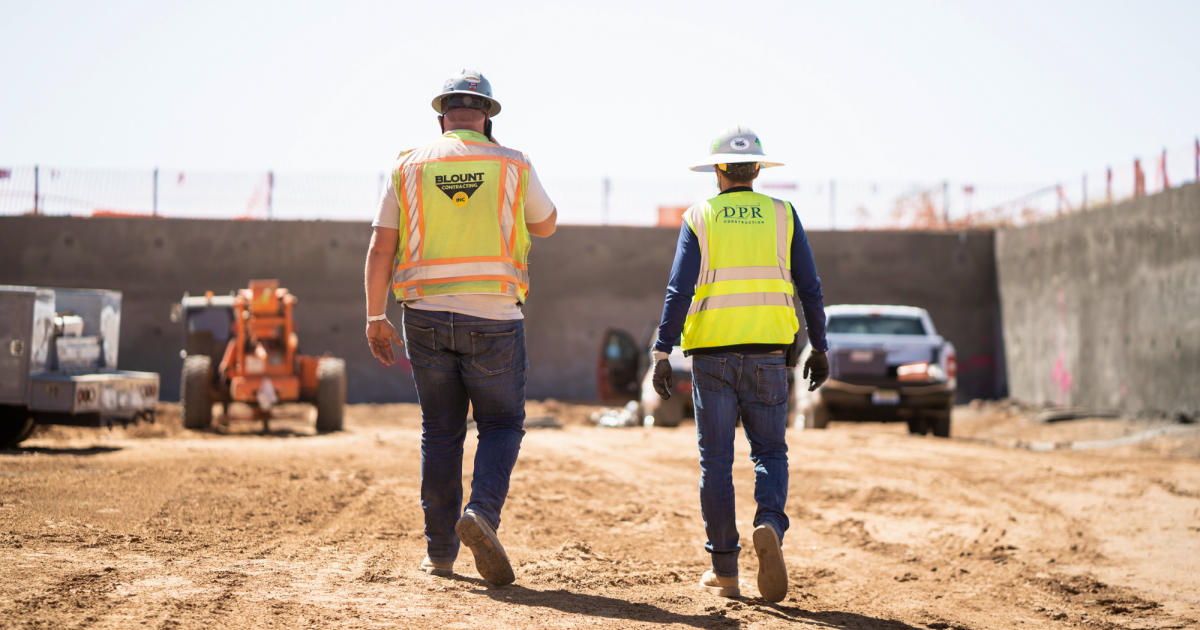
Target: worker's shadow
(832, 618)
(613, 608)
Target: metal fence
(832, 204)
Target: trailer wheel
(196, 393)
(331, 394)
(16, 424)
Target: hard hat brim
(708, 164)
(492, 111)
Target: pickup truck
(887, 363)
(623, 373)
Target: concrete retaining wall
(1102, 309)
(584, 280)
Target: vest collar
(466, 135)
(737, 189)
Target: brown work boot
(772, 574)
(717, 585)
(490, 559)
(440, 569)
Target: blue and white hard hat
(467, 89)
(735, 145)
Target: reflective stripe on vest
(458, 259)
(741, 298)
(451, 270)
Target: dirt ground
(1003, 526)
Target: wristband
(376, 318)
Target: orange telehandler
(251, 337)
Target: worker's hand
(663, 380)
(816, 368)
(380, 336)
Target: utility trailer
(58, 362)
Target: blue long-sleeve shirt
(686, 270)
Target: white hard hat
(735, 145)
(468, 86)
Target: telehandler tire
(196, 392)
(331, 394)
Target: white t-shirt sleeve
(538, 206)
(388, 213)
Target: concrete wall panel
(584, 281)
(1101, 308)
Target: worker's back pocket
(772, 384)
(419, 343)
(492, 353)
(708, 373)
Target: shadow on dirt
(274, 432)
(836, 619)
(77, 452)
(612, 608)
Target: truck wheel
(331, 394)
(918, 426)
(670, 412)
(16, 424)
(939, 421)
(817, 416)
(196, 392)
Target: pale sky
(898, 90)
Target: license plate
(885, 397)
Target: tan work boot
(440, 569)
(722, 586)
(490, 559)
(772, 574)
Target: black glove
(816, 368)
(663, 380)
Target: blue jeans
(458, 359)
(755, 385)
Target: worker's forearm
(378, 281)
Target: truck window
(874, 325)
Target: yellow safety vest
(744, 291)
(462, 219)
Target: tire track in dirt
(81, 590)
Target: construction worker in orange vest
(452, 239)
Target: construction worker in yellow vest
(451, 241)
(741, 257)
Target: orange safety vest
(462, 219)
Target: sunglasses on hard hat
(465, 100)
